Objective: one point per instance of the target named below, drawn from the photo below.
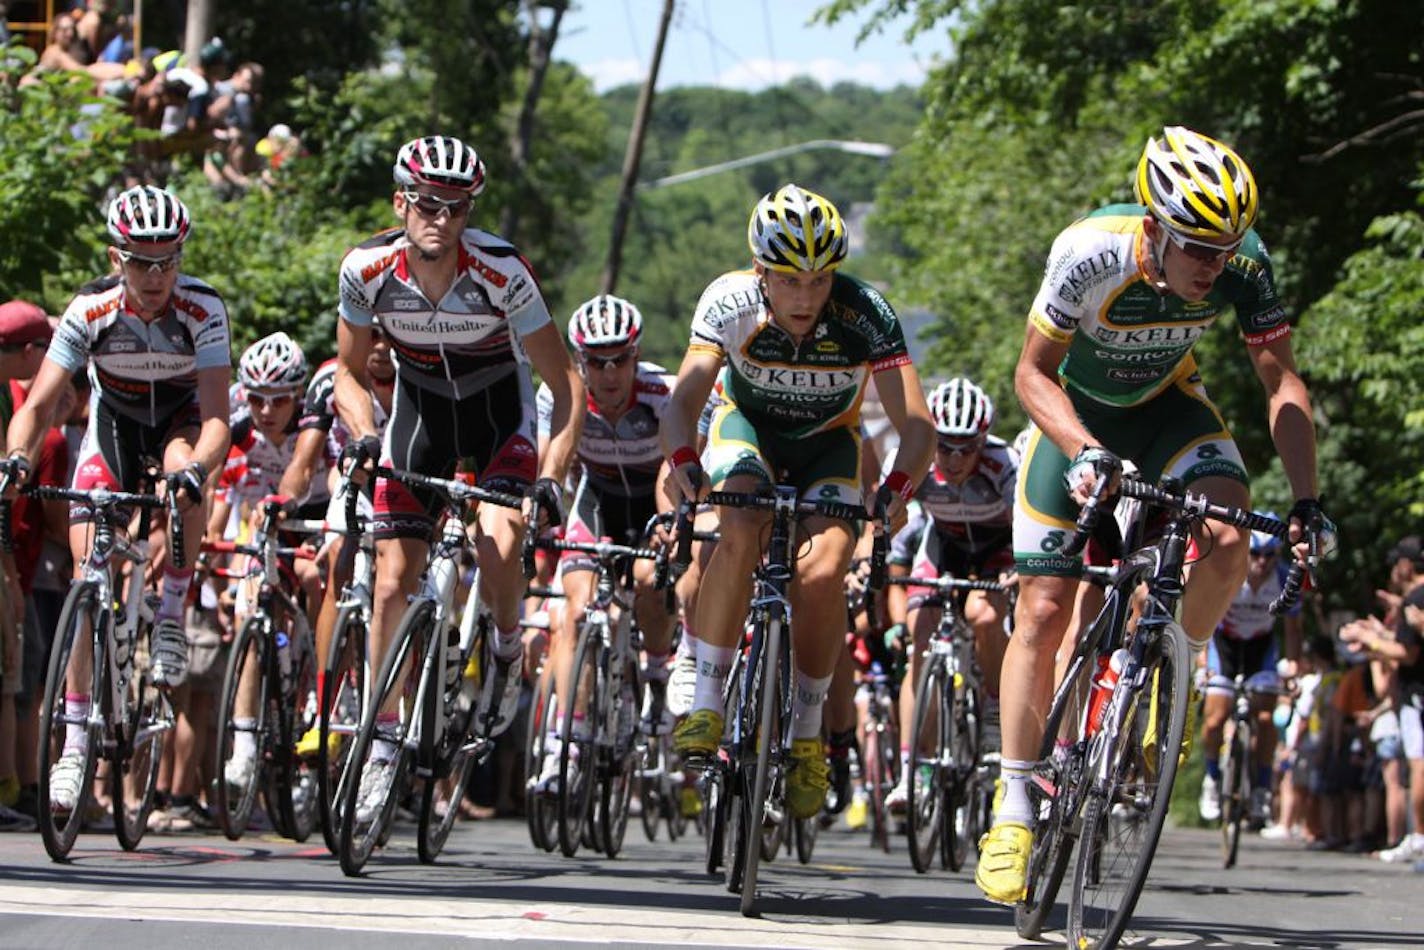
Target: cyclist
(156, 342)
(791, 345)
(1243, 645)
(271, 374)
(465, 318)
(321, 436)
(967, 500)
(618, 490)
(1106, 373)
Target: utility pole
(198, 29)
(541, 45)
(634, 156)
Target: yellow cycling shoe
(1002, 873)
(310, 743)
(809, 778)
(857, 813)
(690, 802)
(1149, 738)
(699, 734)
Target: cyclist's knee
(1042, 617)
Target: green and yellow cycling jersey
(792, 388)
(1128, 341)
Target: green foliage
(60, 147)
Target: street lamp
(872, 149)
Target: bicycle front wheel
(1235, 793)
(147, 720)
(541, 813)
(578, 755)
(765, 679)
(929, 750)
(1124, 814)
(452, 761)
(60, 820)
(242, 739)
(616, 792)
(346, 685)
(300, 712)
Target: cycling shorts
(491, 433)
(599, 514)
(1179, 433)
(1229, 657)
(824, 466)
(116, 449)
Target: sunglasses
(160, 265)
(1202, 251)
(260, 401)
(431, 206)
(1264, 555)
(609, 362)
(959, 446)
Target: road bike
(1238, 768)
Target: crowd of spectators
(204, 112)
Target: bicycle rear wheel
(346, 685)
(133, 777)
(1235, 793)
(443, 723)
(234, 802)
(805, 831)
(963, 758)
(718, 781)
(875, 779)
(81, 614)
(1123, 816)
(928, 731)
(578, 755)
(300, 712)
(616, 793)
(541, 814)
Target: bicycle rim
(1235, 797)
(81, 609)
(584, 709)
(234, 803)
(541, 815)
(398, 679)
(134, 775)
(964, 758)
(434, 827)
(341, 709)
(617, 791)
(767, 677)
(1123, 819)
(442, 740)
(925, 782)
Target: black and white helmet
(605, 320)
(440, 160)
(273, 364)
(961, 409)
(147, 215)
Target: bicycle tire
(399, 677)
(575, 803)
(299, 712)
(233, 805)
(58, 828)
(875, 787)
(446, 747)
(963, 758)
(541, 815)
(138, 755)
(926, 801)
(346, 684)
(615, 795)
(1109, 877)
(769, 673)
(805, 831)
(1235, 794)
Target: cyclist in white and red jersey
(156, 344)
(965, 529)
(1245, 644)
(465, 320)
(321, 436)
(619, 457)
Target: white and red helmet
(961, 410)
(147, 215)
(605, 320)
(442, 161)
(273, 364)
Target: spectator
(67, 52)
(279, 147)
(99, 27)
(1404, 645)
(1355, 707)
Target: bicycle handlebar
(599, 548)
(947, 583)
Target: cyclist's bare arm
(307, 458)
(905, 406)
(689, 394)
(214, 433)
(1288, 408)
(353, 397)
(550, 359)
(1043, 397)
(33, 419)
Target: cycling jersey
(319, 411)
(796, 389)
(465, 342)
(146, 371)
(1249, 615)
(1129, 342)
(620, 458)
(255, 465)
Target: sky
(738, 44)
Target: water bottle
(284, 658)
(1108, 672)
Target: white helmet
(797, 230)
(439, 160)
(961, 409)
(605, 320)
(147, 215)
(273, 363)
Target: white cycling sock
(76, 733)
(807, 702)
(713, 664)
(1015, 774)
(507, 643)
(655, 667)
(687, 645)
(175, 592)
(244, 738)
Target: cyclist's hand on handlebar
(891, 499)
(1307, 518)
(187, 484)
(687, 481)
(17, 469)
(1091, 463)
(359, 457)
(544, 501)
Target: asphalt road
(203, 891)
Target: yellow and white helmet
(1196, 186)
(797, 230)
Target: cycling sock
(320, 688)
(807, 702)
(655, 667)
(244, 737)
(175, 593)
(1213, 769)
(76, 734)
(687, 645)
(713, 664)
(1015, 806)
(383, 747)
(507, 643)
